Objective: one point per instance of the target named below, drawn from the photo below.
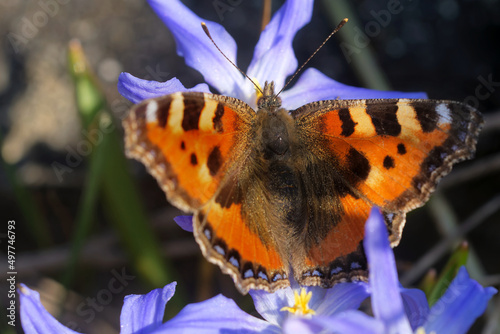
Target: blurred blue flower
(407, 311)
(273, 60)
(315, 310)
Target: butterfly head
(269, 100)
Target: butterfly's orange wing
(388, 153)
(195, 145)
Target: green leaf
(457, 260)
(34, 219)
(428, 282)
(108, 176)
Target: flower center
(300, 308)
(421, 330)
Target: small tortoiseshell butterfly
(276, 193)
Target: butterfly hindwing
(249, 256)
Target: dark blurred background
(447, 48)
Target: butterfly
(278, 194)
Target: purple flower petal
(301, 325)
(143, 314)
(34, 317)
(345, 322)
(462, 303)
(342, 297)
(274, 58)
(136, 90)
(315, 86)
(196, 47)
(387, 303)
(216, 315)
(185, 222)
(416, 306)
(325, 302)
(269, 304)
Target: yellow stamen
(301, 301)
(421, 330)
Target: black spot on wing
(388, 162)
(214, 161)
(347, 122)
(192, 112)
(183, 145)
(219, 112)
(194, 159)
(358, 166)
(163, 111)
(427, 115)
(384, 119)
(401, 149)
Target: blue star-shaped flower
(273, 60)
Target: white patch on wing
(176, 113)
(207, 114)
(151, 110)
(444, 113)
(407, 118)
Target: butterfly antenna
(340, 25)
(205, 29)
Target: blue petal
(387, 303)
(143, 314)
(185, 222)
(326, 302)
(301, 325)
(34, 318)
(463, 302)
(216, 315)
(416, 306)
(196, 47)
(274, 58)
(315, 86)
(342, 297)
(345, 322)
(269, 304)
(136, 90)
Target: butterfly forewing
(391, 152)
(185, 140)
